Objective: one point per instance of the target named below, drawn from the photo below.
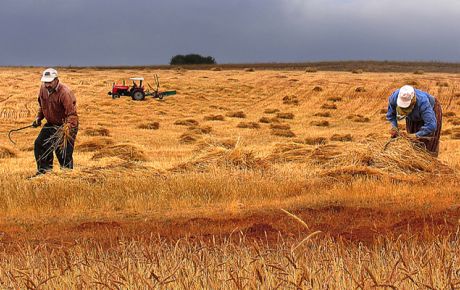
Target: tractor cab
(135, 84)
(137, 89)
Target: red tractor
(137, 91)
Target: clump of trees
(191, 59)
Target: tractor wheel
(115, 96)
(138, 95)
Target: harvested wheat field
(246, 179)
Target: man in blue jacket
(423, 116)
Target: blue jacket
(423, 111)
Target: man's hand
(36, 123)
(394, 132)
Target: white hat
(405, 96)
(49, 75)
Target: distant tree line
(191, 59)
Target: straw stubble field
(187, 192)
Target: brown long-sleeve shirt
(58, 107)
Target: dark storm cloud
(115, 32)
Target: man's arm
(391, 113)
(40, 116)
(429, 121)
(70, 107)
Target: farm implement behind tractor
(137, 91)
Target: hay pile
(289, 152)
(290, 100)
(126, 152)
(271, 111)
(234, 159)
(398, 159)
(237, 114)
(358, 118)
(214, 117)
(213, 142)
(149, 126)
(288, 116)
(320, 123)
(186, 122)
(97, 132)
(6, 153)
(248, 125)
(94, 144)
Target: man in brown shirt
(58, 106)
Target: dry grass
(283, 133)
(213, 142)
(97, 132)
(200, 129)
(248, 125)
(126, 152)
(217, 117)
(149, 126)
(289, 152)
(237, 114)
(320, 123)
(327, 106)
(271, 111)
(319, 262)
(6, 152)
(358, 118)
(342, 137)
(96, 226)
(289, 116)
(317, 89)
(315, 140)
(280, 126)
(94, 144)
(323, 114)
(334, 99)
(235, 158)
(290, 100)
(189, 138)
(187, 122)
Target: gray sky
(143, 32)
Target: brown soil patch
(351, 224)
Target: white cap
(405, 96)
(49, 75)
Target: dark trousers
(44, 147)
